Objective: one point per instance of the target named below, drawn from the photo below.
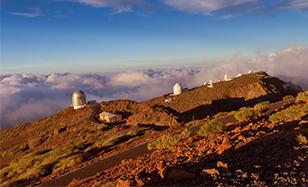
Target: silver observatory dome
(78, 99)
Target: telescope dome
(78, 99)
(177, 89)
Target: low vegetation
(292, 113)
(102, 127)
(211, 128)
(302, 97)
(156, 115)
(41, 163)
(37, 141)
(168, 141)
(288, 97)
(221, 114)
(245, 114)
(261, 107)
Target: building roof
(78, 93)
(177, 85)
(110, 115)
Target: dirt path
(132, 153)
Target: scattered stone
(257, 166)
(222, 164)
(213, 172)
(241, 137)
(237, 130)
(223, 147)
(177, 174)
(123, 183)
(139, 181)
(260, 133)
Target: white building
(210, 85)
(109, 117)
(177, 89)
(238, 75)
(79, 99)
(226, 78)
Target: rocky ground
(246, 153)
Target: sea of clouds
(26, 97)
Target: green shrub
(102, 127)
(168, 141)
(34, 165)
(287, 97)
(261, 107)
(19, 147)
(211, 128)
(292, 113)
(302, 97)
(245, 113)
(193, 123)
(221, 114)
(68, 162)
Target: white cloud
(232, 8)
(26, 97)
(299, 4)
(33, 14)
(205, 6)
(117, 5)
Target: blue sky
(44, 36)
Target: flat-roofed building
(110, 117)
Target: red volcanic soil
(257, 153)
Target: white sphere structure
(177, 89)
(210, 85)
(78, 99)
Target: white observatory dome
(177, 89)
(78, 99)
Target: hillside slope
(247, 89)
(70, 139)
(267, 150)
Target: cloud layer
(25, 97)
(236, 7)
(33, 14)
(119, 5)
(220, 8)
(205, 6)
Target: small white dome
(177, 89)
(78, 99)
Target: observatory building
(78, 99)
(177, 89)
(110, 117)
(226, 78)
(210, 85)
